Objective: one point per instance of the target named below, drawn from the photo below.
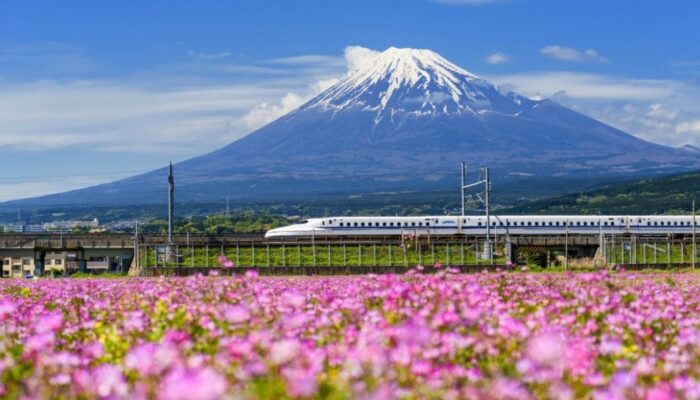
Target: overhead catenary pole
(486, 181)
(487, 190)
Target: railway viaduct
(38, 254)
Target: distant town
(86, 226)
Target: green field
(319, 255)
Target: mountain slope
(403, 120)
(669, 194)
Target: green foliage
(536, 258)
(664, 195)
(240, 223)
(303, 255)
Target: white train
(476, 225)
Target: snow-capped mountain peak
(418, 82)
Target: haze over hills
(402, 121)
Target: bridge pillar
(82, 264)
(509, 252)
(38, 265)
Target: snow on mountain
(415, 81)
(402, 121)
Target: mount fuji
(402, 120)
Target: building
(17, 265)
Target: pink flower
(545, 349)
(661, 391)
(284, 351)
(236, 314)
(300, 383)
(49, 322)
(192, 384)
(108, 381)
(151, 358)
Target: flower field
(509, 336)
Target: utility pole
(695, 254)
(463, 187)
(566, 248)
(171, 192)
(136, 246)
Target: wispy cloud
(266, 112)
(589, 86)
(210, 56)
(470, 2)
(496, 58)
(662, 111)
(564, 53)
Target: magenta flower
(192, 384)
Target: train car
(476, 225)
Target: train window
(413, 224)
(330, 221)
(585, 223)
(391, 224)
(529, 223)
(501, 223)
(556, 223)
(341, 224)
(536, 223)
(420, 224)
(464, 222)
(383, 223)
(655, 223)
(612, 223)
(427, 224)
(405, 224)
(682, 223)
(578, 223)
(661, 223)
(355, 224)
(675, 223)
(479, 223)
(323, 223)
(648, 223)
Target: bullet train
(476, 225)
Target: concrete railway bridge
(39, 254)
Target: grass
(303, 255)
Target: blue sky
(94, 91)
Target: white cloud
(470, 2)
(358, 56)
(662, 111)
(587, 86)
(564, 53)
(209, 56)
(496, 58)
(115, 116)
(692, 127)
(657, 110)
(266, 112)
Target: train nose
(272, 233)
